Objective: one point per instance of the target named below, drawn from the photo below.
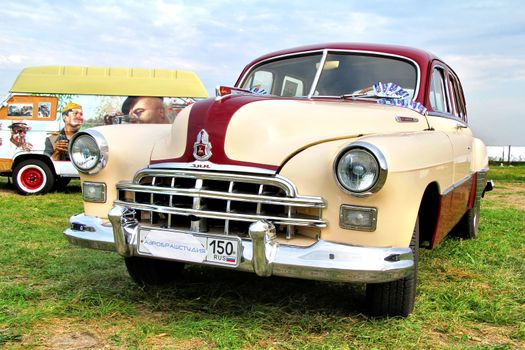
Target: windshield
(341, 74)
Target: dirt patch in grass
(71, 334)
(77, 334)
(508, 195)
(164, 341)
(476, 336)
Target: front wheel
(33, 176)
(395, 298)
(152, 272)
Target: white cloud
(13, 59)
(481, 71)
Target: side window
(459, 101)
(292, 87)
(44, 110)
(20, 110)
(438, 93)
(261, 80)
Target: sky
(482, 40)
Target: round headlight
(86, 152)
(360, 170)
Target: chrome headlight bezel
(375, 155)
(101, 154)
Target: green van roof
(78, 80)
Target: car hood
(257, 133)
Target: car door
(448, 115)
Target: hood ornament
(202, 147)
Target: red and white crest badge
(202, 148)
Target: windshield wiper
(379, 90)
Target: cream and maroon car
(331, 162)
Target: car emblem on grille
(202, 148)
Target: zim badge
(202, 147)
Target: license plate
(222, 250)
(217, 250)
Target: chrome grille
(219, 202)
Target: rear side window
(438, 92)
(458, 98)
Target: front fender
(414, 161)
(129, 149)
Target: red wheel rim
(32, 178)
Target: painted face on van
(75, 118)
(18, 136)
(148, 110)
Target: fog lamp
(357, 218)
(94, 192)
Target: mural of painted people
(57, 145)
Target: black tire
(33, 176)
(468, 226)
(395, 298)
(153, 272)
(61, 183)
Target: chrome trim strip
(194, 192)
(318, 223)
(318, 74)
(276, 180)
(457, 185)
(323, 260)
(212, 166)
(402, 119)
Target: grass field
(471, 294)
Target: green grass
(471, 293)
(513, 173)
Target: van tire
(61, 183)
(33, 176)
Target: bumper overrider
(324, 260)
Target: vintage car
(331, 162)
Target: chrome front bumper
(323, 260)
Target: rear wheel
(395, 298)
(468, 226)
(153, 272)
(33, 176)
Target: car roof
(406, 51)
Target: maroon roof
(410, 52)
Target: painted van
(47, 105)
